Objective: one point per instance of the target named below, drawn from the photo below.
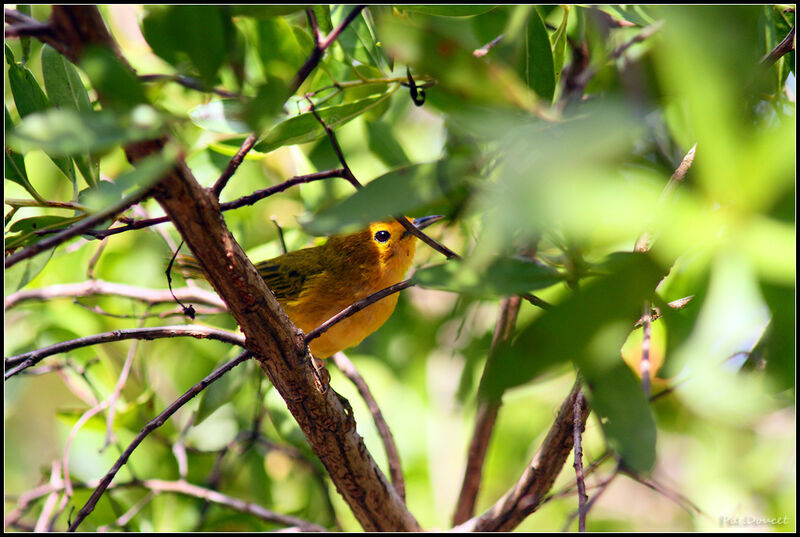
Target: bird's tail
(188, 266)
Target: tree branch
(77, 229)
(23, 361)
(250, 199)
(100, 287)
(349, 370)
(354, 308)
(234, 163)
(484, 421)
(155, 423)
(526, 496)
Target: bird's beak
(425, 221)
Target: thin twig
(354, 308)
(77, 229)
(319, 48)
(484, 420)
(644, 242)
(484, 50)
(150, 427)
(392, 455)
(191, 83)
(155, 486)
(23, 361)
(234, 163)
(782, 48)
(250, 199)
(112, 399)
(537, 478)
(601, 488)
(101, 287)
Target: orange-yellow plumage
(314, 284)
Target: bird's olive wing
(289, 274)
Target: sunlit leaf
(66, 132)
(306, 128)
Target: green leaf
(63, 83)
(383, 144)
(22, 273)
(617, 397)
(400, 191)
(306, 128)
(117, 86)
(15, 164)
(780, 335)
(25, 41)
(66, 90)
(218, 393)
(464, 10)
(359, 41)
(559, 39)
(28, 95)
(198, 33)
(566, 332)
(278, 49)
(266, 108)
(323, 13)
(30, 99)
(631, 13)
(66, 132)
(26, 229)
(502, 277)
(539, 69)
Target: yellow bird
(314, 284)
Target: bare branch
(234, 163)
(23, 361)
(527, 494)
(392, 455)
(484, 420)
(644, 242)
(319, 48)
(100, 287)
(155, 423)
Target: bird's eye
(382, 236)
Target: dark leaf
(400, 191)
(504, 276)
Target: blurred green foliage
(546, 131)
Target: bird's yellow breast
(330, 293)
